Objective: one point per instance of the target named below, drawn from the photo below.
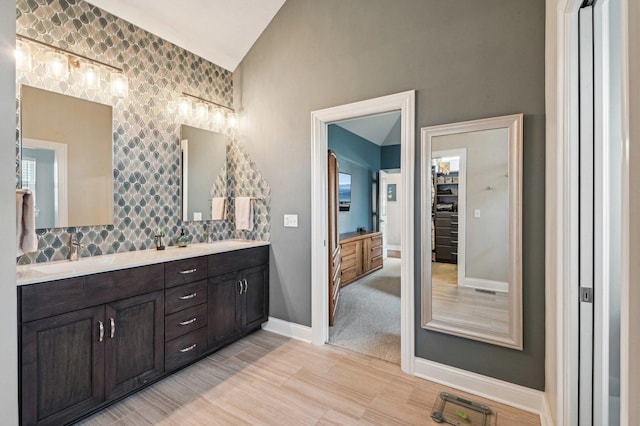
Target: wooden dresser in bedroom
(361, 255)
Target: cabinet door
(62, 366)
(255, 297)
(134, 342)
(224, 309)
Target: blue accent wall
(390, 157)
(361, 159)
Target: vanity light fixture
(90, 75)
(219, 117)
(57, 65)
(184, 107)
(58, 62)
(23, 56)
(119, 84)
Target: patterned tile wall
(146, 132)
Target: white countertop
(50, 271)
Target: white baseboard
(545, 416)
(516, 396)
(392, 247)
(486, 284)
(288, 329)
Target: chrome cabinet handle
(240, 284)
(188, 271)
(101, 329)
(188, 296)
(189, 348)
(187, 322)
(246, 285)
(113, 327)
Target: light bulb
(90, 75)
(184, 107)
(232, 120)
(23, 56)
(119, 84)
(202, 111)
(57, 65)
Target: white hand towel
(27, 240)
(217, 208)
(244, 213)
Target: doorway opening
(364, 161)
(321, 120)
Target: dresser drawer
(376, 241)
(185, 271)
(348, 275)
(185, 321)
(348, 248)
(185, 296)
(348, 261)
(185, 349)
(376, 251)
(376, 262)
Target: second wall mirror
(471, 229)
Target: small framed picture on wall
(391, 192)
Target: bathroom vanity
(96, 330)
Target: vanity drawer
(186, 321)
(446, 241)
(185, 296)
(185, 349)
(185, 271)
(58, 297)
(232, 261)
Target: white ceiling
(221, 31)
(374, 128)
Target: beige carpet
(368, 316)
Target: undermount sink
(219, 245)
(86, 264)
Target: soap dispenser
(182, 239)
(159, 238)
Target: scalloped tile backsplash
(146, 151)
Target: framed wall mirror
(472, 229)
(203, 157)
(67, 158)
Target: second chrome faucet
(74, 249)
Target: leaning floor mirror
(472, 229)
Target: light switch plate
(197, 216)
(290, 220)
(476, 213)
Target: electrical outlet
(290, 220)
(197, 216)
(476, 213)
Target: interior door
(333, 241)
(383, 211)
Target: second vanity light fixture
(205, 111)
(59, 61)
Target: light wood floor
(266, 379)
(467, 306)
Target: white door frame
(405, 102)
(382, 214)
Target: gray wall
(467, 60)
(8, 314)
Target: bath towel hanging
(244, 213)
(26, 238)
(218, 208)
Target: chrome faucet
(75, 246)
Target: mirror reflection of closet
(472, 274)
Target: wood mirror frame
(514, 126)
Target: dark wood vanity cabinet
(238, 300)
(89, 341)
(73, 362)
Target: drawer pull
(188, 296)
(101, 329)
(454, 223)
(246, 285)
(188, 271)
(189, 348)
(113, 327)
(187, 322)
